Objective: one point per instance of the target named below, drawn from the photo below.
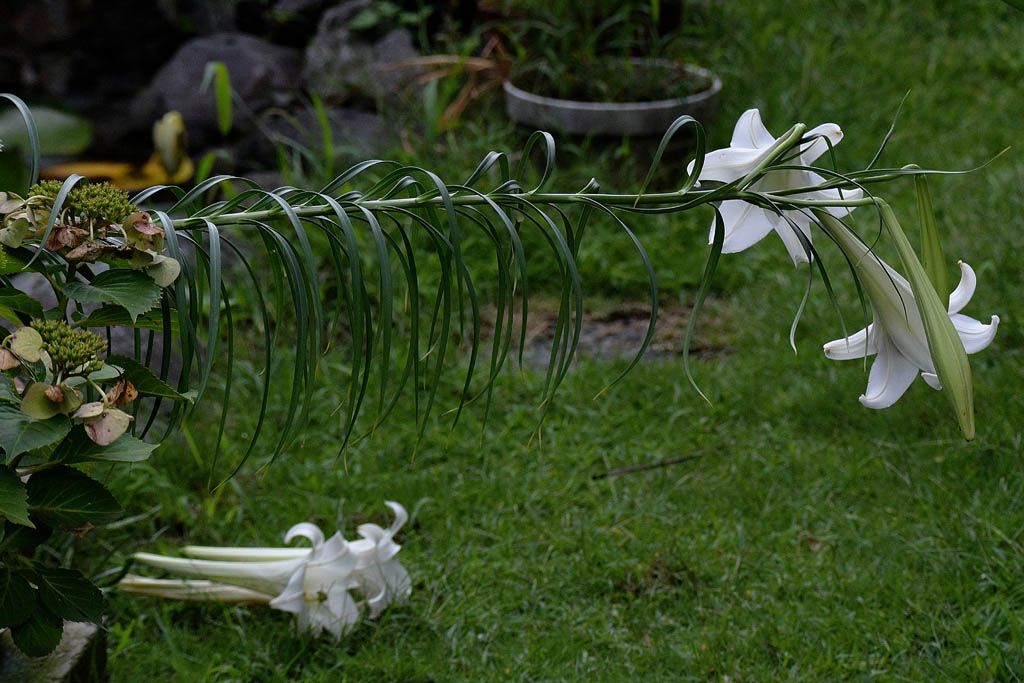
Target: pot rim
(642, 105)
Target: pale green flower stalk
(912, 331)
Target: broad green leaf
(117, 316)
(25, 539)
(8, 394)
(69, 595)
(17, 599)
(13, 498)
(13, 302)
(19, 433)
(79, 448)
(39, 634)
(132, 289)
(66, 498)
(143, 379)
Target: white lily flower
(312, 583)
(747, 224)
(378, 574)
(318, 590)
(897, 332)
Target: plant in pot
(605, 68)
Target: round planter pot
(611, 118)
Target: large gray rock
(342, 66)
(355, 134)
(262, 75)
(81, 657)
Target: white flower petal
(890, 377)
(812, 150)
(797, 251)
(975, 334)
(749, 132)
(306, 530)
(932, 380)
(728, 164)
(961, 296)
(401, 516)
(745, 225)
(857, 345)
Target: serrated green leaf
(17, 599)
(25, 539)
(133, 290)
(13, 302)
(117, 316)
(79, 448)
(13, 498)
(19, 433)
(66, 498)
(69, 595)
(7, 391)
(143, 378)
(39, 634)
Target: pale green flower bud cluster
(70, 347)
(101, 203)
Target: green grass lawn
(812, 539)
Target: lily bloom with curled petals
(312, 583)
(317, 591)
(747, 224)
(378, 574)
(897, 334)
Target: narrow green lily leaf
(931, 244)
(718, 239)
(33, 135)
(13, 498)
(133, 290)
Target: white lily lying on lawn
(312, 583)
(747, 224)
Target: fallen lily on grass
(312, 583)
